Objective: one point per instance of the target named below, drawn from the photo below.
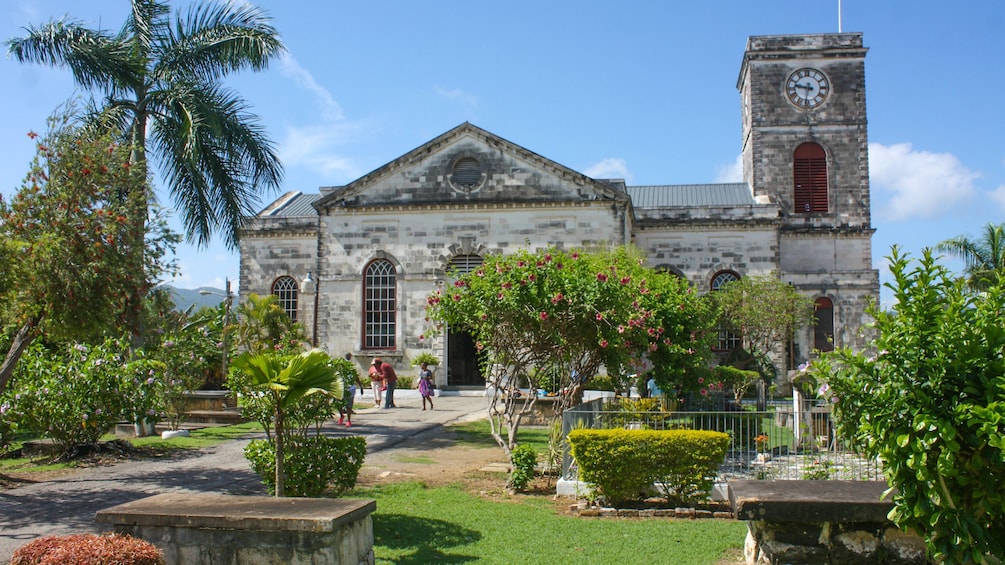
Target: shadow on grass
(422, 540)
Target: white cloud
(458, 95)
(313, 146)
(330, 109)
(998, 195)
(732, 172)
(610, 168)
(907, 183)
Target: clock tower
(805, 149)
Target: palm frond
(214, 40)
(96, 59)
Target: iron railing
(778, 443)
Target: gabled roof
(367, 190)
(691, 195)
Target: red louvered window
(810, 179)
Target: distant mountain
(185, 297)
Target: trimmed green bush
(88, 549)
(313, 465)
(623, 464)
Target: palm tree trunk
(138, 201)
(280, 471)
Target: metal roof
(292, 204)
(691, 195)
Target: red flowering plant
(74, 256)
(558, 317)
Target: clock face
(807, 88)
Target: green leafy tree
(68, 246)
(161, 79)
(931, 406)
(285, 380)
(983, 259)
(557, 317)
(765, 311)
(262, 325)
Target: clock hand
(805, 86)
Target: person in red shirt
(390, 380)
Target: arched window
(823, 325)
(285, 288)
(729, 339)
(809, 173)
(380, 305)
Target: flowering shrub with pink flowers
(562, 315)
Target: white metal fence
(778, 443)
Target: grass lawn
(415, 524)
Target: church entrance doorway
(463, 368)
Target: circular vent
(467, 173)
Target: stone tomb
(214, 529)
(827, 522)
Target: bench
(215, 529)
(829, 522)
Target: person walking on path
(376, 382)
(390, 379)
(426, 385)
(350, 386)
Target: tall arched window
(809, 174)
(285, 288)
(380, 305)
(823, 325)
(729, 339)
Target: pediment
(468, 165)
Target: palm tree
(161, 82)
(287, 380)
(983, 259)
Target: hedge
(622, 465)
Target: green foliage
(524, 461)
(285, 380)
(623, 464)
(144, 381)
(427, 358)
(555, 317)
(314, 466)
(931, 406)
(88, 549)
(161, 80)
(764, 310)
(75, 203)
(736, 380)
(70, 395)
(983, 259)
(818, 470)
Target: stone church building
(354, 263)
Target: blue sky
(639, 90)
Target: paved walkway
(67, 505)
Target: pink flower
(521, 264)
(499, 296)
(575, 255)
(458, 283)
(600, 315)
(547, 257)
(621, 329)
(422, 338)
(602, 277)
(603, 343)
(457, 298)
(557, 298)
(626, 280)
(544, 315)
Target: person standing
(376, 382)
(426, 385)
(390, 379)
(349, 386)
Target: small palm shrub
(88, 549)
